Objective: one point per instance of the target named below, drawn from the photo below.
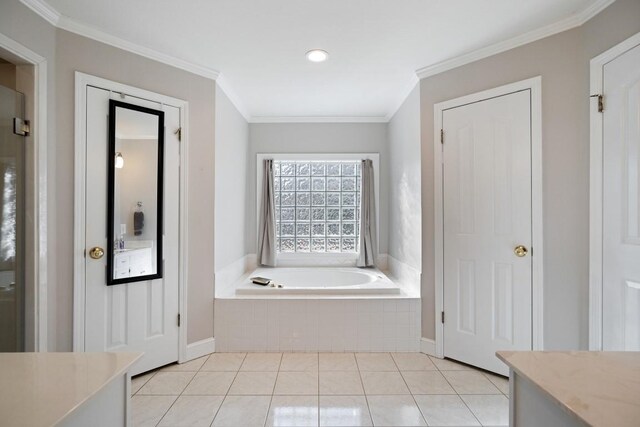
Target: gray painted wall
(318, 138)
(232, 153)
(405, 213)
(76, 53)
(563, 62)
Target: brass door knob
(96, 252)
(520, 251)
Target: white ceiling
(375, 46)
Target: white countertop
(599, 388)
(41, 389)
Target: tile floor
(325, 389)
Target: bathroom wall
(232, 148)
(563, 62)
(7, 75)
(25, 27)
(137, 182)
(77, 53)
(318, 138)
(405, 210)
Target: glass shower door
(12, 161)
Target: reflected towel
(138, 223)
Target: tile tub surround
(320, 389)
(328, 325)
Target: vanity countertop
(599, 388)
(41, 389)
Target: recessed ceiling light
(317, 55)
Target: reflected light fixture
(119, 160)
(317, 55)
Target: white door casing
(139, 316)
(488, 201)
(615, 269)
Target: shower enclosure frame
(37, 189)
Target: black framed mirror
(135, 193)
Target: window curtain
(368, 231)
(267, 231)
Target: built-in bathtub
(318, 281)
(332, 309)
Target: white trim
(199, 348)
(319, 259)
(535, 85)
(40, 183)
(565, 24)
(428, 346)
(596, 189)
(223, 85)
(404, 94)
(318, 119)
(81, 82)
(61, 21)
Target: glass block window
(317, 206)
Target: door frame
(596, 188)
(40, 242)
(537, 256)
(83, 80)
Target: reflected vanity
(135, 191)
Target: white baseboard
(200, 348)
(428, 346)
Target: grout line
(227, 393)
(410, 392)
(366, 397)
(273, 390)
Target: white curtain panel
(267, 232)
(368, 231)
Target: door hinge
(441, 136)
(179, 133)
(442, 316)
(600, 102)
(21, 127)
(178, 319)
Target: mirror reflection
(135, 193)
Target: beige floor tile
(140, 380)
(427, 382)
(341, 383)
(254, 383)
(148, 410)
(445, 411)
(224, 362)
(339, 411)
(470, 382)
(297, 362)
(190, 366)
(210, 383)
(499, 381)
(167, 383)
(261, 362)
(376, 362)
(383, 383)
(245, 411)
(413, 362)
(297, 383)
(490, 410)
(338, 362)
(293, 411)
(192, 411)
(449, 365)
(395, 411)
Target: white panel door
(140, 316)
(487, 213)
(621, 204)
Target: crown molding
(565, 24)
(223, 85)
(43, 9)
(63, 22)
(403, 96)
(318, 119)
